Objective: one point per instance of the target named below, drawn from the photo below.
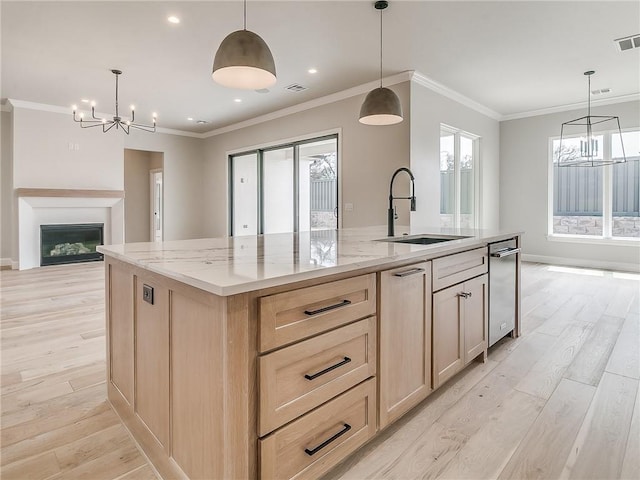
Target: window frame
(607, 237)
(259, 152)
(477, 165)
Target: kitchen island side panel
(212, 388)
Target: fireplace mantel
(67, 192)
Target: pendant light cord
(245, 14)
(381, 48)
(589, 96)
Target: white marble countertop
(232, 265)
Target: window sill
(594, 240)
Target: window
(597, 202)
(287, 188)
(459, 169)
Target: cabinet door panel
(405, 339)
(121, 330)
(448, 351)
(152, 361)
(475, 317)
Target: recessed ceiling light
(173, 19)
(312, 70)
(202, 122)
(84, 100)
(190, 119)
(237, 100)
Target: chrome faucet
(391, 213)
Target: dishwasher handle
(505, 252)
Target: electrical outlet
(348, 207)
(147, 294)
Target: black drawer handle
(330, 307)
(313, 451)
(328, 369)
(406, 273)
(464, 294)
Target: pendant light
(381, 105)
(243, 60)
(590, 153)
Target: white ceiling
(510, 56)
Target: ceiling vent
(628, 43)
(600, 91)
(295, 87)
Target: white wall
(524, 153)
(6, 188)
(428, 110)
(368, 155)
(42, 158)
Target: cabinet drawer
(296, 379)
(457, 268)
(314, 443)
(291, 316)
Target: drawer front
(291, 316)
(457, 268)
(296, 379)
(313, 444)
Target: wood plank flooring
(562, 401)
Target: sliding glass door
(287, 188)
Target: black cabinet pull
(406, 273)
(315, 450)
(328, 369)
(464, 294)
(326, 309)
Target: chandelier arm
(89, 123)
(142, 126)
(105, 129)
(93, 114)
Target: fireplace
(70, 243)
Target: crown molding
(443, 90)
(317, 102)
(572, 106)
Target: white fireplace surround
(38, 207)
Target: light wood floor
(562, 401)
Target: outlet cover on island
(348, 207)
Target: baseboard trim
(8, 264)
(581, 262)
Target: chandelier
(590, 153)
(117, 121)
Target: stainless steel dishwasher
(502, 288)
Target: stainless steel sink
(424, 239)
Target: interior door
(156, 205)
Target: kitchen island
(277, 356)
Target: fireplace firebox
(70, 243)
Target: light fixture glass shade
(381, 107)
(244, 61)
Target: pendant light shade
(381, 106)
(244, 61)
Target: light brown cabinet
(460, 316)
(404, 374)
